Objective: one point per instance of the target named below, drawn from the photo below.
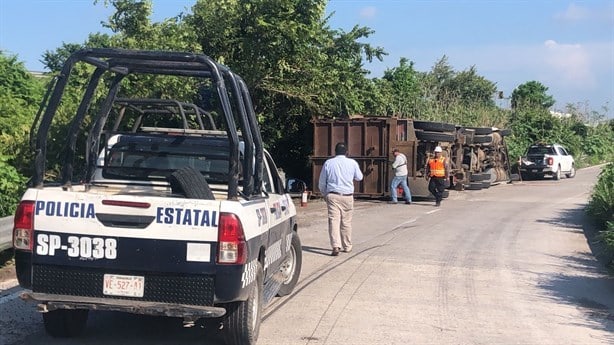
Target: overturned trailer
(370, 141)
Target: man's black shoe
(335, 252)
(408, 203)
(438, 203)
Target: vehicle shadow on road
(576, 220)
(589, 290)
(569, 219)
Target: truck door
(565, 159)
(280, 226)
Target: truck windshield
(541, 150)
(156, 157)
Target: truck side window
(277, 185)
(266, 178)
(561, 151)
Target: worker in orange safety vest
(437, 173)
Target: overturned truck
(478, 155)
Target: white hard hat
(438, 149)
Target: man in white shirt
(400, 177)
(337, 186)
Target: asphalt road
(505, 265)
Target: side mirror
(295, 186)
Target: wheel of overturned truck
(481, 130)
(477, 177)
(434, 136)
(474, 186)
(241, 324)
(505, 132)
(434, 126)
(65, 323)
(482, 139)
(291, 266)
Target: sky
(568, 46)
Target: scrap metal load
(478, 155)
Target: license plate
(121, 285)
(534, 170)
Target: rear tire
(572, 172)
(557, 175)
(241, 324)
(291, 266)
(65, 323)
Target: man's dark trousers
(436, 186)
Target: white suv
(552, 160)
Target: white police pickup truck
(170, 215)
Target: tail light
(549, 161)
(23, 228)
(232, 248)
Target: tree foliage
(295, 65)
(531, 94)
(601, 205)
(20, 94)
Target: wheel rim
(288, 266)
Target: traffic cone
(304, 198)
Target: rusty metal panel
(370, 142)
(321, 139)
(374, 181)
(363, 137)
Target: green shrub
(601, 206)
(608, 235)
(12, 185)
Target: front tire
(65, 323)
(291, 266)
(241, 324)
